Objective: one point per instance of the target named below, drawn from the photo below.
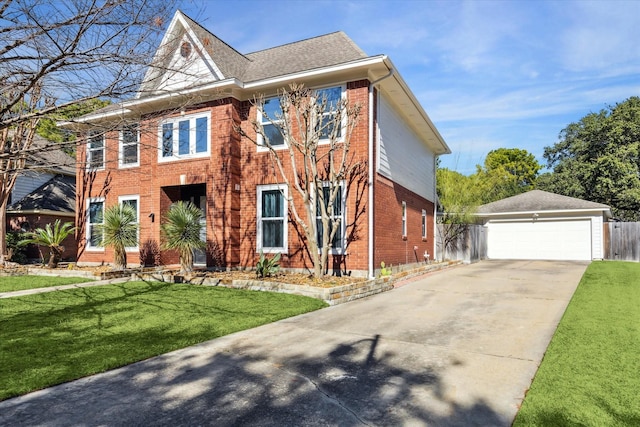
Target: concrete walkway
(63, 287)
(455, 348)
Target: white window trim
(424, 224)
(273, 120)
(192, 132)
(87, 238)
(343, 121)
(285, 238)
(404, 219)
(90, 150)
(135, 197)
(264, 121)
(121, 145)
(342, 249)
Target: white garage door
(554, 240)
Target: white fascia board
(598, 211)
(185, 92)
(349, 66)
(128, 106)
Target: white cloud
(600, 35)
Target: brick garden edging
(333, 295)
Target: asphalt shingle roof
(58, 194)
(538, 200)
(317, 52)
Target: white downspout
(372, 170)
(435, 208)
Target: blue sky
(490, 74)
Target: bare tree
(57, 53)
(316, 131)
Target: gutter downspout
(372, 169)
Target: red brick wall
(390, 245)
(259, 170)
(231, 174)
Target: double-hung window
(335, 212)
(95, 219)
(424, 224)
(129, 146)
(95, 150)
(185, 137)
(331, 96)
(272, 218)
(404, 219)
(270, 116)
(134, 202)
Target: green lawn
(590, 374)
(19, 283)
(54, 337)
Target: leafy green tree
(51, 237)
(119, 230)
(58, 53)
(458, 199)
(48, 128)
(181, 231)
(507, 172)
(598, 159)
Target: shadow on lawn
(354, 383)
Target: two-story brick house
(178, 140)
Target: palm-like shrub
(181, 231)
(52, 238)
(119, 230)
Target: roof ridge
(192, 21)
(301, 41)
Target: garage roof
(537, 201)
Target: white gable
(181, 61)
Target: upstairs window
(332, 95)
(184, 137)
(129, 146)
(95, 150)
(335, 212)
(270, 115)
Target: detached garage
(545, 226)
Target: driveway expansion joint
(324, 393)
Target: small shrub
(267, 267)
(384, 271)
(18, 251)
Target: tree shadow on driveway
(228, 383)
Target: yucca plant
(267, 267)
(119, 230)
(181, 231)
(52, 238)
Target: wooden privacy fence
(469, 246)
(622, 241)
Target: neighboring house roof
(539, 201)
(47, 155)
(58, 195)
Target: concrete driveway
(458, 347)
